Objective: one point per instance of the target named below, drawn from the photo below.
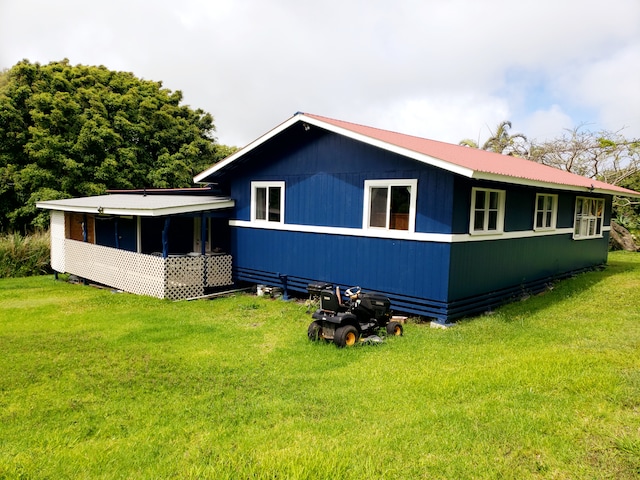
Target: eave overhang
(139, 205)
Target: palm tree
(502, 142)
(467, 142)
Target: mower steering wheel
(352, 292)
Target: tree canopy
(69, 131)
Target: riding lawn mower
(361, 317)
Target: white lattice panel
(219, 270)
(174, 277)
(121, 269)
(185, 277)
(57, 241)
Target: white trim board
(400, 234)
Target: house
(443, 230)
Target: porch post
(203, 234)
(117, 236)
(165, 237)
(203, 247)
(85, 238)
(138, 234)
(85, 234)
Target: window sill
(591, 237)
(494, 233)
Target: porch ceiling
(140, 205)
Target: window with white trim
(487, 211)
(589, 217)
(267, 202)
(546, 212)
(390, 204)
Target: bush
(24, 256)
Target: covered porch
(165, 246)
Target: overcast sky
(441, 69)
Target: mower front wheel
(346, 336)
(314, 331)
(394, 329)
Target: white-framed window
(390, 204)
(487, 211)
(589, 217)
(267, 202)
(546, 212)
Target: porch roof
(140, 205)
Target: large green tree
(78, 130)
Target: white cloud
(546, 123)
(611, 86)
(446, 69)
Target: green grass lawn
(101, 385)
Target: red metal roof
(481, 162)
(470, 162)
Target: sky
(441, 69)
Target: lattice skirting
(121, 269)
(174, 277)
(219, 270)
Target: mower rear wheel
(314, 331)
(394, 329)
(346, 336)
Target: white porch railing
(175, 277)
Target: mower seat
(329, 302)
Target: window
(487, 211)
(390, 204)
(589, 216)
(267, 201)
(546, 212)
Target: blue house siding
(116, 232)
(325, 182)
(413, 274)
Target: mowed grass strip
(101, 385)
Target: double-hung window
(390, 204)
(487, 211)
(589, 217)
(546, 212)
(267, 201)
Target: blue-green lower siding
(439, 280)
(487, 273)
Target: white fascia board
(243, 151)
(436, 162)
(159, 212)
(141, 212)
(494, 177)
(405, 152)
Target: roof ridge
(394, 132)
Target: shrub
(24, 256)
